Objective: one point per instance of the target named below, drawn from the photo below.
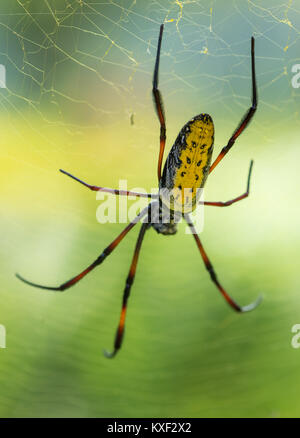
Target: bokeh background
(78, 97)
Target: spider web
(83, 64)
(78, 92)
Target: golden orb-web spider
(186, 170)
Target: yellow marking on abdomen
(195, 161)
(187, 165)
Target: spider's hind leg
(247, 117)
(159, 107)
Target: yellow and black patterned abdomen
(188, 163)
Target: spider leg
(158, 103)
(108, 190)
(107, 251)
(213, 275)
(129, 282)
(247, 117)
(232, 201)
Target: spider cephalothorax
(185, 172)
(162, 219)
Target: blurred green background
(76, 73)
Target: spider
(186, 170)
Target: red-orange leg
(108, 190)
(213, 275)
(247, 117)
(158, 103)
(108, 250)
(129, 282)
(232, 201)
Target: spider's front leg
(214, 277)
(129, 282)
(107, 251)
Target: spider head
(163, 220)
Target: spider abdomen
(188, 163)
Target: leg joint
(211, 271)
